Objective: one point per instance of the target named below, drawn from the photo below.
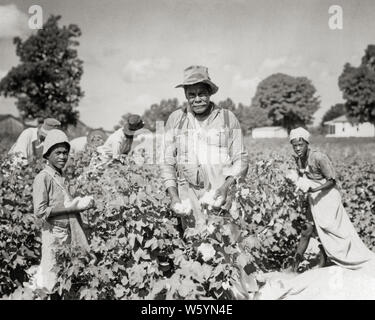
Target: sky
(135, 51)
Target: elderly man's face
(198, 97)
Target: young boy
(49, 195)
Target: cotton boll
(208, 198)
(81, 203)
(292, 175)
(303, 184)
(207, 251)
(218, 202)
(234, 210)
(183, 207)
(211, 228)
(186, 203)
(245, 193)
(85, 202)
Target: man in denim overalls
(203, 147)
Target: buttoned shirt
(116, 145)
(47, 194)
(318, 166)
(201, 151)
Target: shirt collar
(308, 155)
(52, 171)
(214, 112)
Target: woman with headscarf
(337, 234)
(60, 216)
(352, 276)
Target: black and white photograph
(191, 151)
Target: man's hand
(311, 190)
(174, 201)
(173, 193)
(222, 192)
(221, 195)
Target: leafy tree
(159, 112)
(368, 59)
(335, 111)
(290, 101)
(252, 117)
(249, 117)
(358, 87)
(227, 104)
(46, 81)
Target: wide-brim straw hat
(133, 124)
(197, 74)
(53, 138)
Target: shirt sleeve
(23, 145)
(40, 197)
(237, 151)
(168, 166)
(116, 148)
(325, 166)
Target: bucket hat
(54, 137)
(197, 74)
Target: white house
(269, 132)
(341, 127)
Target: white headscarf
(299, 133)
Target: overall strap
(227, 128)
(182, 119)
(181, 123)
(226, 118)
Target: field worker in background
(337, 234)
(120, 142)
(30, 142)
(78, 144)
(203, 148)
(52, 205)
(94, 139)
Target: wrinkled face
(59, 156)
(198, 96)
(300, 147)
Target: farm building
(10, 125)
(341, 127)
(269, 132)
